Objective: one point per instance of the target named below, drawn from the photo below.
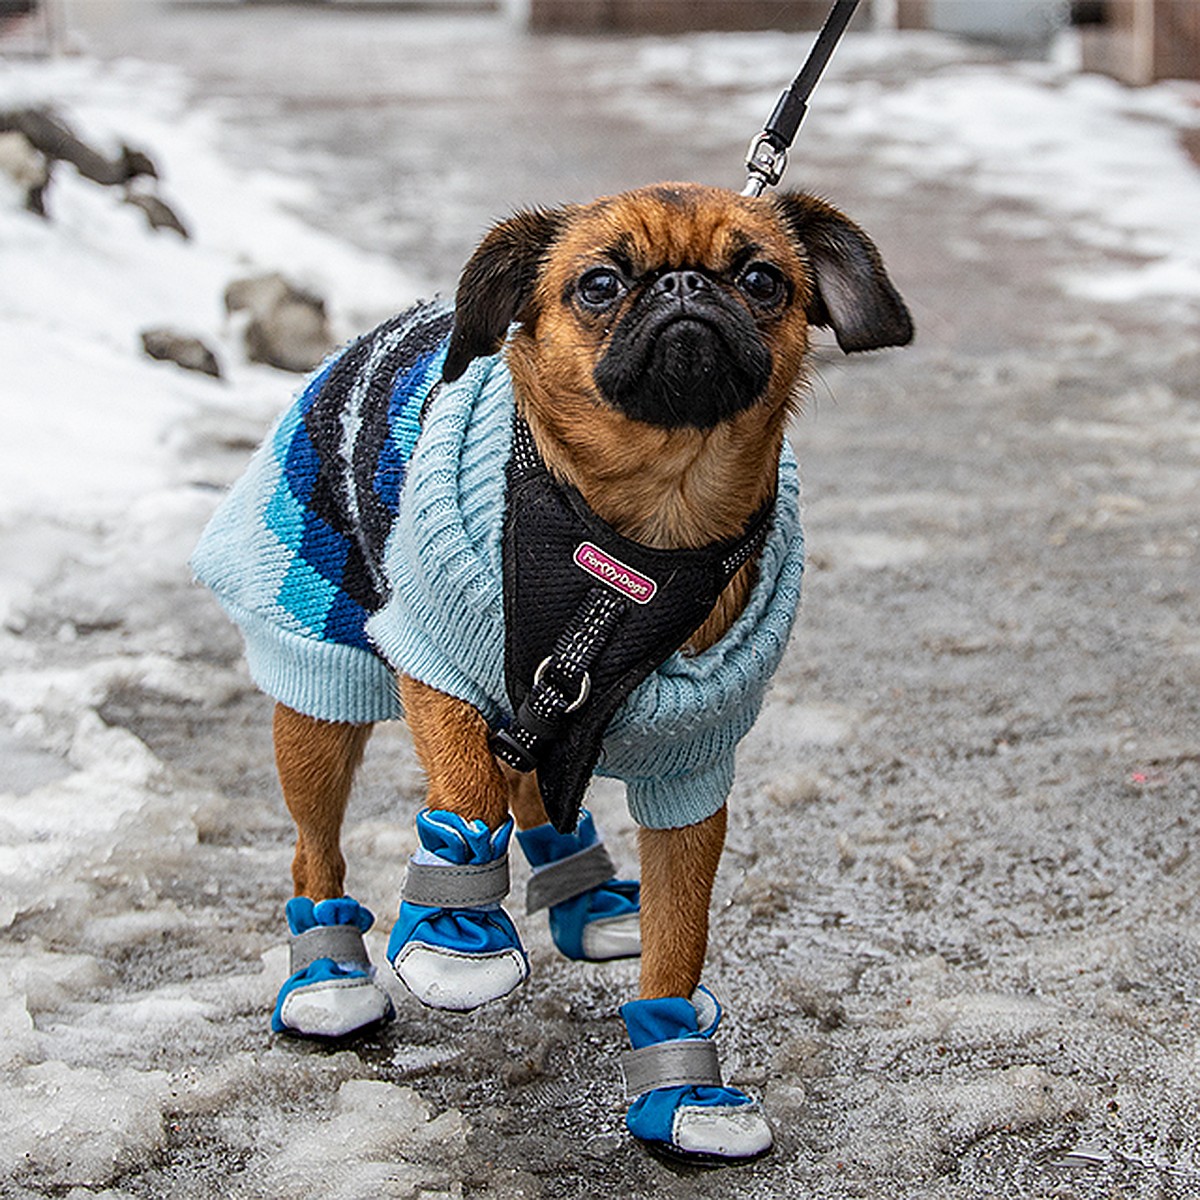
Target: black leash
(766, 159)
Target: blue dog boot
(453, 946)
(331, 992)
(593, 915)
(681, 1108)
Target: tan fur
(663, 487)
(316, 761)
(678, 870)
(524, 799)
(451, 740)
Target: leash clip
(767, 158)
(766, 162)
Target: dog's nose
(681, 284)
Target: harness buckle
(521, 743)
(505, 746)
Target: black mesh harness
(588, 615)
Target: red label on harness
(616, 574)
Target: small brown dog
(545, 545)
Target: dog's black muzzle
(686, 354)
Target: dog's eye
(601, 287)
(763, 283)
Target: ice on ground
(80, 1125)
(360, 1148)
(100, 504)
(93, 277)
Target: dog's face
(675, 306)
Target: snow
(1083, 147)
(92, 484)
(94, 277)
(360, 1149)
(101, 498)
(1079, 146)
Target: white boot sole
(334, 1008)
(612, 937)
(440, 978)
(718, 1132)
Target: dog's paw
(718, 1132)
(453, 946)
(594, 917)
(605, 938)
(330, 992)
(334, 1007)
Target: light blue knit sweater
(442, 620)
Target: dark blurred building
(1137, 41)
(1001, 20)
(675, 16)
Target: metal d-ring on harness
(767, 157)
(561, 683)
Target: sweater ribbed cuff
(326, 680)
(675, 801)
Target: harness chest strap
(589, 614)
(562, 682)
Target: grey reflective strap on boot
(342, 943)
(436, 886)
(568, 878)
(692, 1062)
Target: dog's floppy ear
(497, 283)
(851, 290)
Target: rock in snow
(186, 351)
(288, 326)
(26, 168)
(159, 214)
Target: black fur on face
(686, 353)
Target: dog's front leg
(453, 946)
(681, 1107)
(525, 799)
(678, 870)
(451, 740)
